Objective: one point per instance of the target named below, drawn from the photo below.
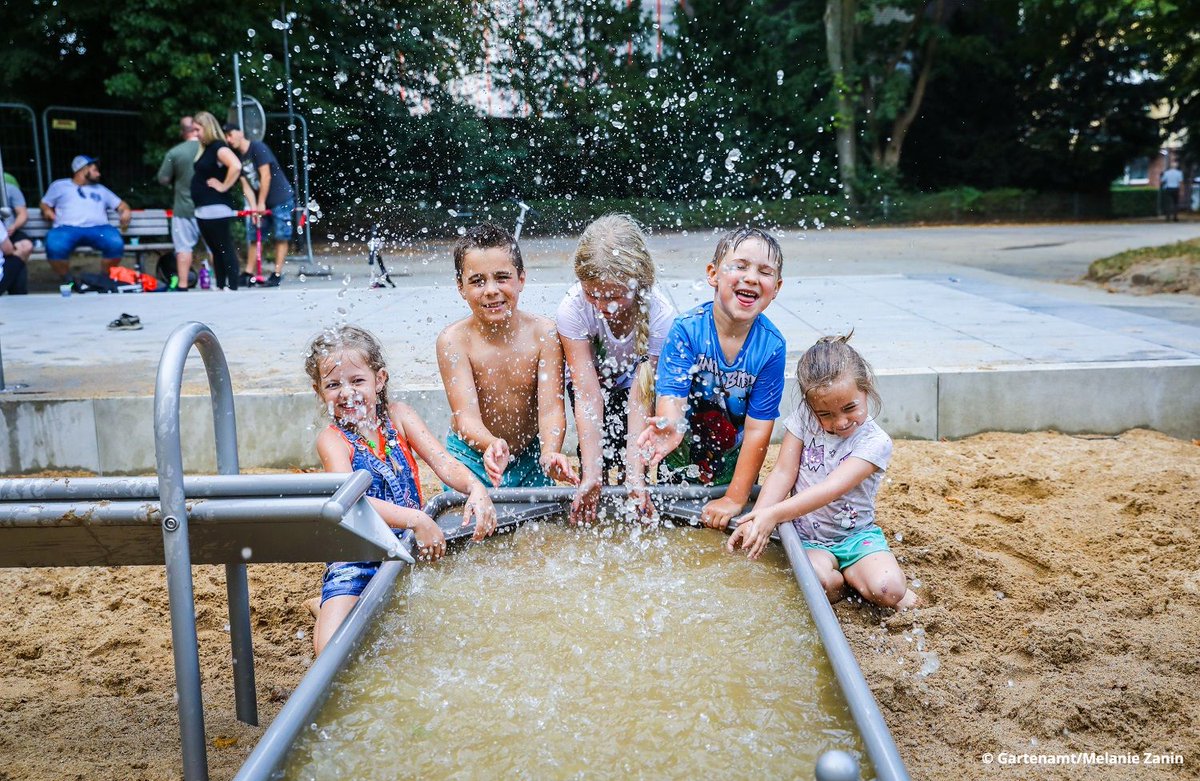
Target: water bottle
(205, 276)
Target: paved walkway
(960, 346)
(917, 298)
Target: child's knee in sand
(879, 579)
(824, 564)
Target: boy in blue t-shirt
(720, 377)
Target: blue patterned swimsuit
(392, 480)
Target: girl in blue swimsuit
(369, 432)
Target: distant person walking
(216, 172)
(78, 208)
(1169, 187)
(267, 189)
(177, 169)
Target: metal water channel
(557, 652)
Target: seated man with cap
(78, 207)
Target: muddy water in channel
(554, 652)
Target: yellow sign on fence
(63, 124)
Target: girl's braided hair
(613, 249)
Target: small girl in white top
(832, 461)
(612, 326)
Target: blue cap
(82, 161)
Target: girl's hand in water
(479, 508)
(643, 505)
(717, 513)
(583, 506)
(660, 437)
(431, 543)
(557, 467)
(495, 461)
(753, 532)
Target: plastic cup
(65, 290)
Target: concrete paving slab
(959, 348)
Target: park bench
(149, 232)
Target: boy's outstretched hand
(479, 508)
(495, 460)
(557, 467)
(716, 514)
(659, 438)
(752, 534)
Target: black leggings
(613, 431)
(220, 242)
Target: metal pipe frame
(173, 502)
(34, 489)
(875, 734)
(267, 759)
(273, 748)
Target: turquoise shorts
(854, 547)
(523, 469)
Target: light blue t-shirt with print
(80, 205)
(720, 394)
(822, 453)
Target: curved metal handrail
(168, 452)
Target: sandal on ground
(126, 322)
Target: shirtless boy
(503, 371)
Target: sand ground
(1059, 574)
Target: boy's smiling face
(491, 284)
(746, 280)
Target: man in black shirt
(267, 190)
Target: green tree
(1044, 94)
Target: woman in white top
(612, 326)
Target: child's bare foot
(314, 606)
(909, 601)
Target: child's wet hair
(486, 236)
(734, 239)
(830, 359)
(346, 338)
(613, 248)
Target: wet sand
(1059, 574)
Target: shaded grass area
(1104, 269)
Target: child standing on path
(720, 377)
(347, 371)
(503, 371)
(612, 325)
(833, 457)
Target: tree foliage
(587, 99)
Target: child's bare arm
(756, 527)
(782, 479)
(589, 416)
(552, 417)
(449, 469)
(465, 414)
(334, 453)
(636, 422)
(664, 431)
(756, 438)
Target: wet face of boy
(612, 299)
(746, 280)
(349, 388)
(840, 408)
(491, 284)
